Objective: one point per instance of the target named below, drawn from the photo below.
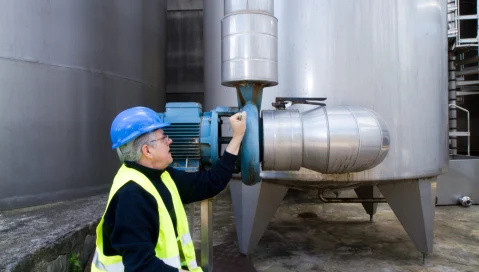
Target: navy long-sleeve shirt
(131, 222)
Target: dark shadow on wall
(184, 68)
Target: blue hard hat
(132, 123)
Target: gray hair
(131, 151)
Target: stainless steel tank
(67, 68)
(213, 13)
(387, 56)
(384, 58)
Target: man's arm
(206, 184)
(201, 185)
(135, 230)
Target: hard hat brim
(138, 133)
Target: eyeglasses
(165, 139)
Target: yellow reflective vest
(168, 246)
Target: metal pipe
(465, 201)
(468, 71)
(349, 200)
(468, 61)
(467, 82)
(468, 128)
(328, 140)
(206, 235)
(458, 24)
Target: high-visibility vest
(168, 246)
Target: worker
(144, 226)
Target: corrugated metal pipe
(330, 140)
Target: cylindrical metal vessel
(249, 43)
(67, 68)
(387, 56)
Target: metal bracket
(284, 102)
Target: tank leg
(425, 260)
(253, 208)
(413, 204)
(369, 192)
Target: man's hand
(238, 124)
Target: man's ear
(145, 150)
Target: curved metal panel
(336, 140)
(249, 44)
(387, 56)
(66, 69)
(316, 150)
(370, 135)
(264, 6)
(344, 139)
(283, 140)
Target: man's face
(160, 150)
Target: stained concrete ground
(303, 236)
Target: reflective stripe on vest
(185, 239)
(118, 267)
(193, 264)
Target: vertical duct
(249, 40)
(249, 62)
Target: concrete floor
(305, 235)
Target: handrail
(468, 128)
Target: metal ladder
(455, 19)
(460, 66)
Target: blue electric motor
(196, 134)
